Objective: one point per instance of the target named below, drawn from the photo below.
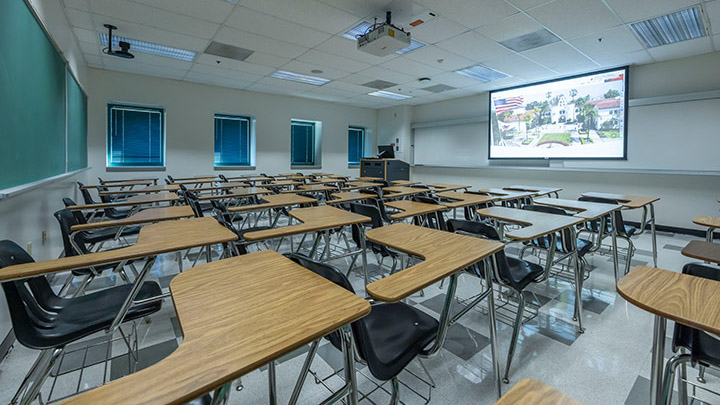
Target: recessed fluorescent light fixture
(358, 30)
(297, 77)
(481, 73)
(390, 95)
(670, 28)
(150, 48)
(413, 46)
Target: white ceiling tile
(439, 58)
(84, 35)
(330, 91)
(474, 46)
(615, 41)
(557, 54)
(451, 79)
(347, 48)
(322, 97)
(511, 27)
(264, 88)
(310, 13)
(154, 17)
(683, 49)
(80, 19)
(255, 42)
(287, 84)
(410, 67)
(211, 10)
(573, 18)
(635, 10)
(497, 84)
(249, 20)
(379, 73)
(471, 13)
(516, 65)
(640, 57)
(227, 73)
(89, 48)
(346, 87)
(576, 68)
(232, 64)
(359, 8)
(157, 36)
(332, 61)
(307, 68)
(265, 59)
(713, 10)
(215, 80)
(528, 4)
(77, 4)
(93, 60)
(358, 79)
(436, 30)
(136, 66)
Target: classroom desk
(121, 185)
(250, 178)
(444, 254)
(275, 201)
(239, 192)
(326, 180)
(533, 392)
(634, 202)
(195, 182)
(411, 209)
(237, 314)
(707, 251)
(154, 180)
(200, 177)
(284, 183)
(507, 195)
(538, 224)
(135, 202)
(686, 299)
(149, 215)
(711, 223)
(592, 211)
(440, 187)
(360, 185)
(401, 191)
(220, 186)
(153, 240)
(320, 174)
(461, 200)
(539, 191)
(349, 196)
(368, 178)
(404, 182)
(146, 190)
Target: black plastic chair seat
(630, 231)
(87, 314)
(399, 332)
(100, 235)
(583, 246)
(522, 272)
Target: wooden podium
(386, 169)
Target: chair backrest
(192, 200)
(376, 221)
(618, 214)
(434, 220)
(683, 336)
(487, 232)
(67, 219)
(171, 179)
(79, 217)
(223, 178)
(566, 241)
(85, 194)
(30, 301)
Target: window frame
(108, 138)
(363, 139)
(315, 147)
(250, 141)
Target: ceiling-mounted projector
(124, 51)
(384, 39)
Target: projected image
(581, 117)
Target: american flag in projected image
(507, 104)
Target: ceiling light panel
(297, 77)
(530, 41)
(150, 48)
(671, 28)
(390, 95)
(228, 51)
(358, 30)
(481, 73)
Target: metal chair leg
(516, 331)
(272, 385)
(41, 375)
(28, 377)
(304, 372)
(670, 368)
(395, 400)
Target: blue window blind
(232, 140)
(356, 143)
(136, 136)
(302, 143)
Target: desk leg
(361, 233)
(349, 363)
(578, 285)
(272, 386)
(652, 232)
(133, 292)
(658, 357)
(445, 318)
(493, 325)
(614, 244)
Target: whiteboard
(463, 145)
(682, 136)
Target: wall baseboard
(6, 344)
(674, 229)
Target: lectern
(386, 169)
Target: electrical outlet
(29, 248)
(44, 236)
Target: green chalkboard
(32, 99)
(76, 125)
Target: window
(356, 145)
(303, 143)
(233, 140)
(136, 136)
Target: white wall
(683, 196)
(189, 109)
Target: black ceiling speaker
(124, 51)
